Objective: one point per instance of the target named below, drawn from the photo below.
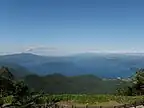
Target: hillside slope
(57, 83)
(15, 69)
(102, 65)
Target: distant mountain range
(102, 65)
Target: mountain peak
(21, 55)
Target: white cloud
(39, 48)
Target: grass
(81, 100)
(98, 99)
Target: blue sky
(61, 27)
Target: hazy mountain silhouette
(103, 65)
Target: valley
(101, 65)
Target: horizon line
(88, 52)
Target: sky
(61, 27)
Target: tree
(4, 72)
(22, 96)
(138, 82)
(137, 87)
(138, 78)
(6, 81)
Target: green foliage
(139, 77)
(125, 91)
(59, 84)
(17, 93)
(21, 94)
(137, 87)
(95, 99)
(17, 70)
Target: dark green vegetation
(85, 84)
(16, 92)
(88, 84)
(17, 70)
(83, 99)
(130, 93)
(127, 92)
(101, 65)
(136, 87)
(59, 87)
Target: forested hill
(57, 83)
(17, 70)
